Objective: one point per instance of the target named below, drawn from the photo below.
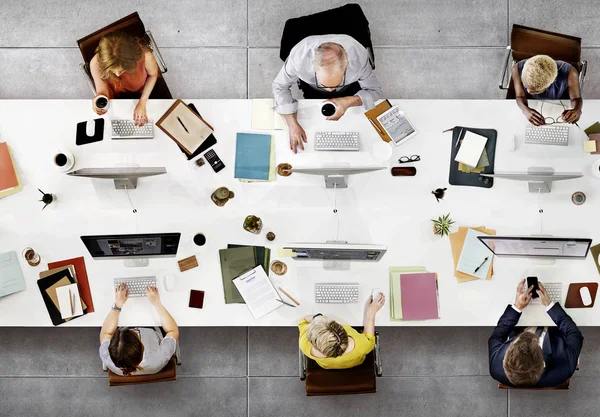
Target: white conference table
(376, 208)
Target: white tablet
(396, 125)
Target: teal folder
(252, 156)
(11, 276)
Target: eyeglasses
(551, 120)
(407, 159)
(337, 87)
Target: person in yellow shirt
(336, 346)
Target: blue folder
(252, 156)
(11, 276)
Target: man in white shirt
(330, 67)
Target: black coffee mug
(200, 239)
(102, 102)
(328, 109)
(60, 159)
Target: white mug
(63, 160)
(103, 99)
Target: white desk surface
(376, 208)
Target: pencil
(289, 296)
(71, 302)
(375, 126)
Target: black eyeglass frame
(408, 159)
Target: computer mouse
(512, 143)
(586, 297)
(375, 293)
(90, 128)
(169, 281)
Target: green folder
(235, 261)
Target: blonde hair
(330, 55)
(118, 51)
(327, 336)
(539, 72)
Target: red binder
(82, 279)
(8, 176)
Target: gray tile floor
(229, 49)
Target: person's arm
(139, 114)
(573, 115)
(102, 87)
(372, 308)
(534, 117)
(166, 320)
(112, 320)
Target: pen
(484, 261)
(180, 122)
(288, 296)
(459, 137)
(375, 126)
(287, 304)
(71, 302)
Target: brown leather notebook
(574, 298)
(372, 116)
(196, 298)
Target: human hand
(544, 297)
(152, 294)
(534, 117)
(342, 104)
(571, 116)
(96, 109)
(523, 297)
(375, 305)
(121, 294)
(140, 117)
(297, 137)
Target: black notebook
(49, 281)
(472, 179)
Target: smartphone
(533, 281)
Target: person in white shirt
(336, 68)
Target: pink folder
(419, 296)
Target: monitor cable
(134, 210)
(335, 212)
(541, 211)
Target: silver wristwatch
(115, 308)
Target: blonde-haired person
(542, 78)
(123, 67)
(336, 346)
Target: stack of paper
(264, 116)
(9, 178)
(258, 292)
(254, 157)
(471, 152)
(465, 242)
(413, 294)
(50, 283)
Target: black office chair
(346, 20)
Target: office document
(11, 276)
(475, 258)
(258, 292)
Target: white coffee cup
(63, 160)
(102, 102)
(328, 108)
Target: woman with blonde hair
(336, 346)
(123, 67)
(542, 78)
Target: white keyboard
(547, 135)
(137, 285)
(336, 141)
(554, 290)
(126, 129)
(338, 293)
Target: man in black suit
(534, 357)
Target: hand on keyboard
(121, 294)
(152, 294)
(139, 114)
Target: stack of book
(413, 294)
(236, 260)
(60, 291)
(254, 157)
(9, 177)
(472, 156)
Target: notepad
(69, 301)
(473, 255)
(252, 156)
(419, 296)
(471, 148)
(258, 292)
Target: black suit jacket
(562, 346)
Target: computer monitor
(540, 178)
(138, 247)
(125, 178)
(337, 251)
(537, 247)
(336, 177)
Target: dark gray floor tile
(59, 23)
(575, 18)
(434, 351)
(589, 360)
(273, 351)
(393, 22)
(591, 86)
(90, 397)
(50, 351)
(398, 397)
(580, 400)
(213, 351)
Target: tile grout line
(508, 22)
(507, 403)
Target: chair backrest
(564, 385)
(345, 20)
(168, 373)
(526, 42)
(131, 24)
(358, 380)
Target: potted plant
(253, 224)
(442, 225)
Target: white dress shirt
(299, 65)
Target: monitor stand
(137, 263)
(336, 264)
(542, 261)
(540, 187)
(336, 181)
(126, 184)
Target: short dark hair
(524, 360)
(126, 350)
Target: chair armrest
(301, 365)
(505, 75)
(371, 57)
(88, 77)
(377, 356)
(582, 74)
(162, 66)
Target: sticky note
(589, 146)
(285, 253)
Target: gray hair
(330, 55)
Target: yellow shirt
(363, 344)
